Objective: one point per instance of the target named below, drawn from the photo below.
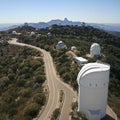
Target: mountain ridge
(102, 26)
(55, 21)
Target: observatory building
(61, 45)
(32, 33)
(73, 48)
(93, 81)
(95, 50)
(14, 32)
(80, 61)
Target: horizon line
(61, 20)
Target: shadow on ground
(107, 117)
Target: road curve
(55, 85)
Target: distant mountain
(52, 22)
(4, 27)
(107, 27)
(114, 33)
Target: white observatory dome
(61, 45)
(14, 32)
(93, 81)
(95, 49)
(32, 33)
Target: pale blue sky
(95, 11)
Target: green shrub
(40, 79)
(31, 110)
(55, 114)
(39, 98)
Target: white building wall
(93, 99)
(93, 92)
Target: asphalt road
(55, 85)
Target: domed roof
(92, 68)
(95, 49)
(14, 32)
(95, 45)
(32, 33)
(60, 42)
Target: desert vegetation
(21, 83)
(82, 37)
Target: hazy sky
(95, 11)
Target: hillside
(82, 37)
(21, 80)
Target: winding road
(55, 85)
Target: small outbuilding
(61, 45)
(95, 50)
(80, 61)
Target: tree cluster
(21, 80)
